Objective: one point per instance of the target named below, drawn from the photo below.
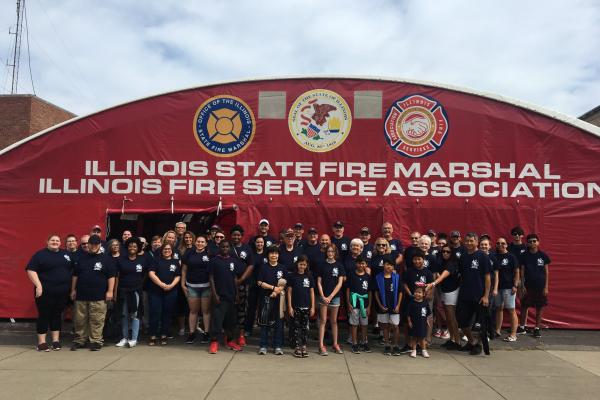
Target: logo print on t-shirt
(335, 271)
(540, 262)
(458, 254)
(172, 267)
(365, 285)
(369, 254)
(295, 258)
(231, 267)
(474, 264)
(381, 263)
(306, 282)
(138, 268)
(344, 247)
(505, 261)
(243, 254)
(67, 257)
(176, 256)
(393, 246)
(426, 263)
(98, 266)
(279, 274)
(205, 258)
(423, 311)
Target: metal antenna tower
(17, 48)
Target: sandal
(338, 349)
(323, 351)
(510, 339)
(152, 342)
(163, 341)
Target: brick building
(24, 114)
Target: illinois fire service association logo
(224, 126)
(320, 120)
(416, 126)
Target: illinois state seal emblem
(224, 126)
(320, 120)
(416, 126)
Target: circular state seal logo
(416, 126)
(320, 120)
(224, 126)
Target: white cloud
(91, 55)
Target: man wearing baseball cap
(312, 249)
(455, 244)
(263, 231)
(339, 240)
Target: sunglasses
(381, 245)
(532, 241)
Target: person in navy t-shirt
(358, 286)
(223, 282)
(329, 286)
(50, 272)
(396, 247)
(534, 277)
(301, 304)
(474, 268)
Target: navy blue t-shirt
(288, 258)
(223, 271)
(431, 263)
(259, 261)
(408, 256)
(54, 269)
(243, 252)
(452, 281)
(92, 272)
(359, 284)
(269, 241)
(330, 274)
(517, 249)
(166, 271)
(377, 263)
(315, 256)
(396, 247)
(197, 266)
(131, 272)
(534, 273)
(473, 268)
(413, 275)
(270, 275)
(301, 285)
(342, 244)
(368, 251)
(459, 251)
(507, 265)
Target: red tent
(313, 150)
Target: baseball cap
(94, 239)
(455, 234)
(96, 228)
(338, 224)
(298, 225)
(364, 229)
(312, 230)
(263, 221)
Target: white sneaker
(278, 351)
(413, 353)
(132, 343)
(464, 338)
(262, 351)
(425, 353)
(122, 343)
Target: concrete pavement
(189, 372)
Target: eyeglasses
(219, 237)
(446, 252)
(84, 243)
(381, 245)
(517, 234)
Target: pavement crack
(220, 376)
(477, 376)
(351, 377)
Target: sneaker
(464, 338)
(338, 349)
(132, 343)
(242, 340)
(95, 346)
(445, 334)
(199, 329)
(42, 347)
(297, 353)
(234, 346)
(387, 351)
(278, 351)
(467, 347)
(396, 351)
(191, 338)
(355, 349)
(122, 343)
(365, 348)
(537, 333)
(413, 353)
(262, 351)
(476, 350)
(425, 353)
(437, 333)
(204, 338)
(214, 347)
(510, 339)
(323, 351)
(521, 330)
(56, 346)
(181, 332)
(406, 349)
(304, 353)
(76, 346)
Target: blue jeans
(277, 329)
(135, 322)
(161, 311)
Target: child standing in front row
(359, 304)
(301, 304)
(418, 322)
(388, 297)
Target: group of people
(438, 286)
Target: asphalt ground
(563, 364)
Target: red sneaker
(242, 340)
(234, 346)
(213, 348)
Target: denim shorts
(335, 302)
(505, 297)
(198, 293)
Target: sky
(89, 55)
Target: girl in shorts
(329, 284)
